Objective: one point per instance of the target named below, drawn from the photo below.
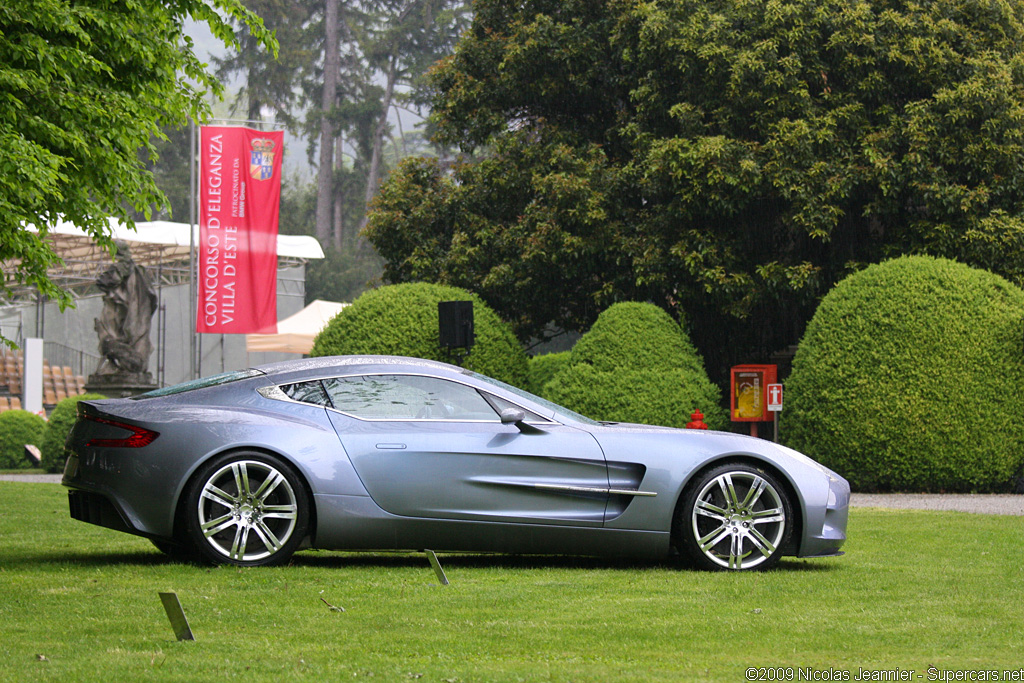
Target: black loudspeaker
(455, 324)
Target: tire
(734, 517)
(247, 509)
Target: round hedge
(636, 364)
(907, 379)
(57, 429)
(19, 428)
(637, 335)
(401, 320)
(542, 369)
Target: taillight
(140, 437)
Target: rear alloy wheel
(735, 517)
(248, 509)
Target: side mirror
(510, 416)
(513, 416)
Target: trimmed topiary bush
(401, 320)
(57, 429)
(18, 428)
(908, 378)
(542, 369)
(636, 364)
(637, 335)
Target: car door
(429, 447)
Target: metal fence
(61, 355)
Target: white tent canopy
(161, 246)
(168, 234)
(296, 332)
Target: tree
(354, 67)
(328, 96)
(85, 85)
(375, 54)
(729, 161)
(171, 171)
(340, 276)
(270, 76)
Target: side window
(307, 392)
(407, 397)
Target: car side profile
(392, 453)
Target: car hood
(722, 441)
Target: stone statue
(129, 301)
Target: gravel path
(983, 503)
(32, 478)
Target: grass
(916, 589)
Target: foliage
(636, 364)
(86, 85)
(344, 273)
(19, 428)
(171, 173)
(542, 369)
(728, 159)
(472, 230)
(298, 206)
(908, 376)
(340, 276)
(353, 67)
(270, 75)
(57, 429)
(402, 320)
(634, 395)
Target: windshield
(532, 397)
(201, 383)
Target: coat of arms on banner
(261, 159)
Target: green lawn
(916, 589)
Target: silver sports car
(388, 453)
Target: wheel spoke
(241, 473)
(280, 511)
(215, 526)
(753, 493)
(736, 552)
(728, 490)
(765, 516)
(268, 486)
(761, 543)
(267, 536)
(240, 542)
(709, 510)
(219, 496)
(713, 539)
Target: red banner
(239, 203)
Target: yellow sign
(748, 395)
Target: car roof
(363, 362)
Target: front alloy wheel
(247, 509)
(735, 517)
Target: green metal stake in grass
(437, 567)
(177, 616)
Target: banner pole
(192, 291)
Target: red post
(696, 421)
